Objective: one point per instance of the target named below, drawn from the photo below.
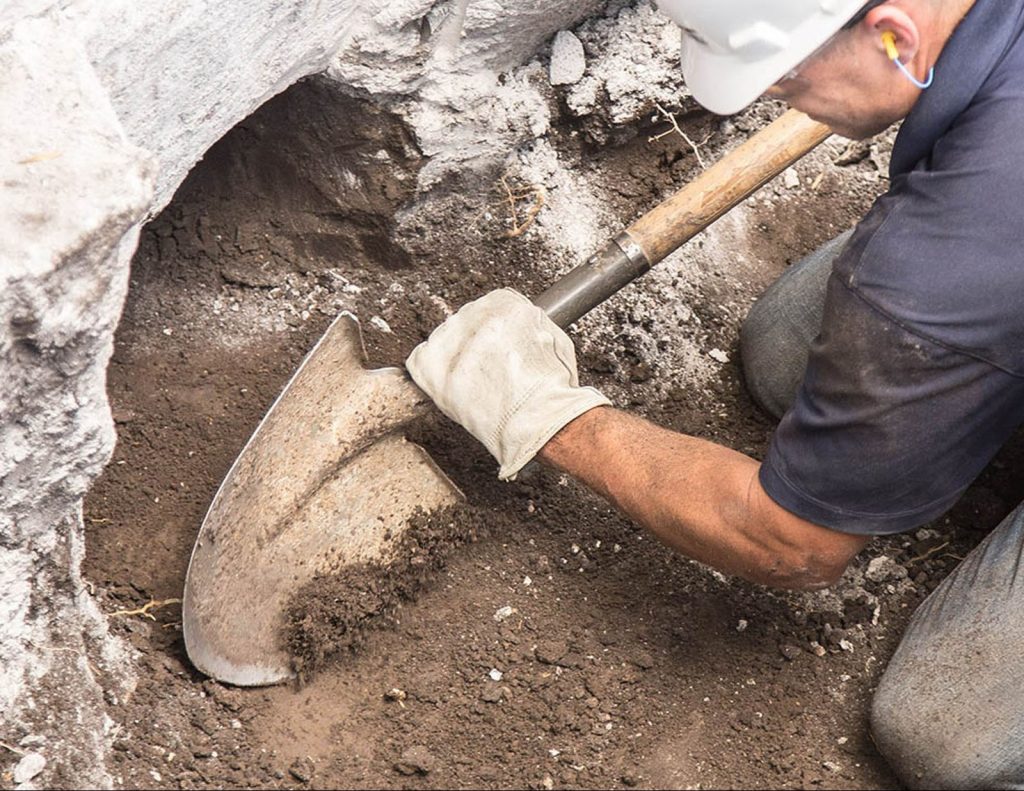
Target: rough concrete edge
(76, 191)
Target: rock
(550, 651)
(884, 568)
(504, 612)
(636, 67)
(568, 61)
(491, 694)
(789, 652)
(74, 192)
(791, 179)
(416, 760)
(28, 767)
(642, 659)
(302, 769)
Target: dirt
(557, 645)
(332, 613)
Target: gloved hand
(505, 372)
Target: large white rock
(463, 95)
(74, 193)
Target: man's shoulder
(940, 253)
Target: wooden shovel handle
(677, 220)
(730, 181)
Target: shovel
(328, 480)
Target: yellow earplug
(889, 39)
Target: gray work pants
(949, 710)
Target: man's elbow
(808, 571)
(822, 572)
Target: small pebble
(491, 694)
(416, 760)
(568, 59)
(302, 769)
(884, 568)
(28, 767)
(381, 325)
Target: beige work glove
(505, 372)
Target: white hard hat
(734, 50)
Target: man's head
(824, 57)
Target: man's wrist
(573, 437)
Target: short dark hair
(859, 16)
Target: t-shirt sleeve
(888, 427)
(917, 378)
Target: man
(894, 357)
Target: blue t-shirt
(917, 378)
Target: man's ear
(889, 18)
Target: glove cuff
(580, 400)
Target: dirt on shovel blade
(330, 615)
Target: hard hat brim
(724, 85)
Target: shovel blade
(326, 481)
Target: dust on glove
(506, 373)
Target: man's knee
(771, 377)
(932, 748)
(776, 336)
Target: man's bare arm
(702, 499)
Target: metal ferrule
(591, 283)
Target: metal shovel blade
(326, 481)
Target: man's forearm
(702, 499)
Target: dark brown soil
(331, 614)
(559, 646)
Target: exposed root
(676, 129)
(12, 748)
(930, 553)
(44, 156)
(144, 610)
(535, 195)
(511, 201)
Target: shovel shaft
(674, 222)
